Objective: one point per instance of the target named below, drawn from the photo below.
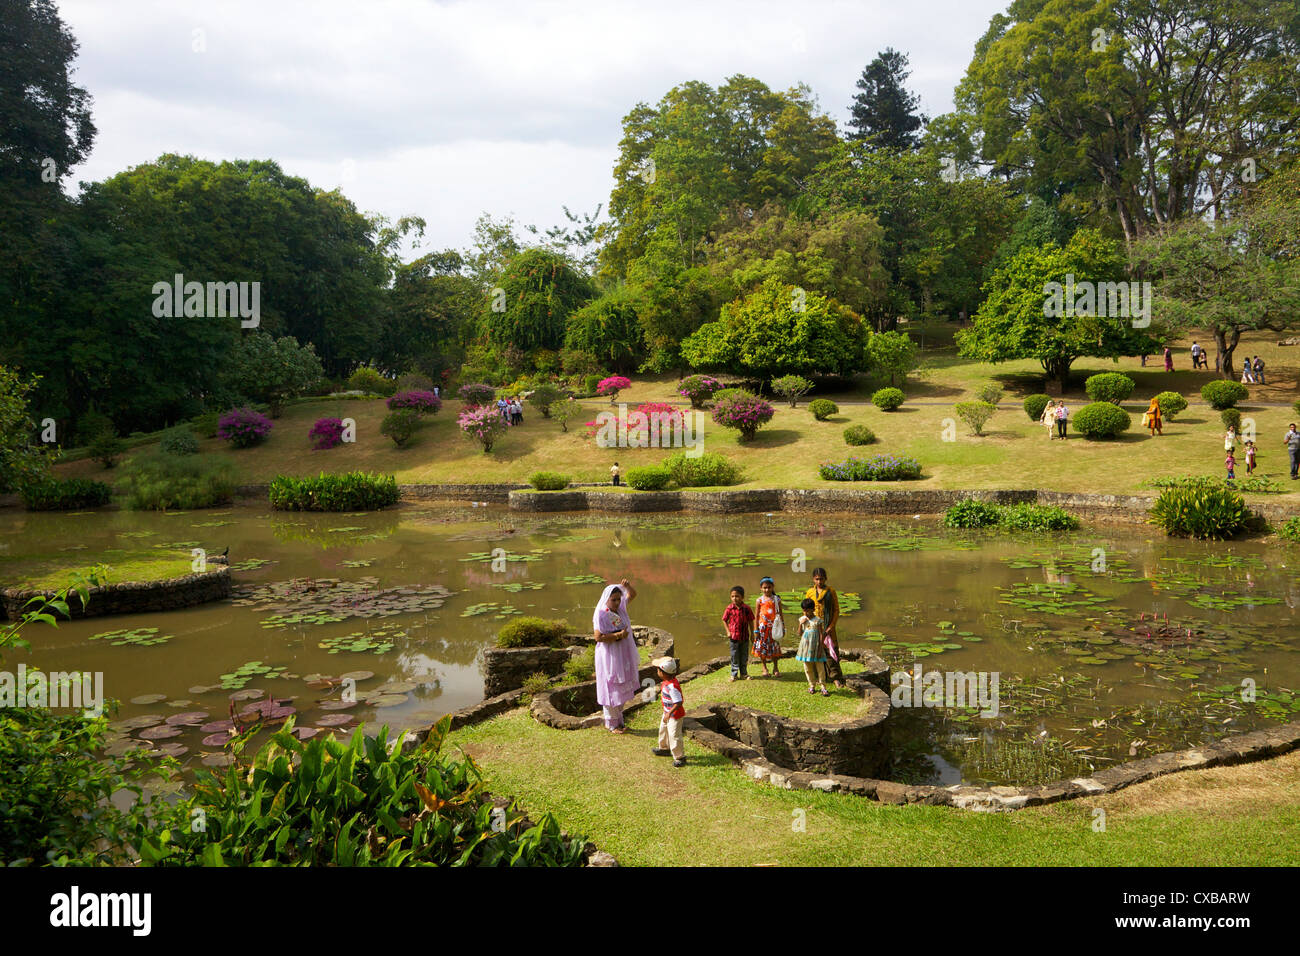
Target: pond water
(412, 595)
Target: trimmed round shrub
(975, 414)
(723, 394)
(1200, 511)
(1171, 404)
(1290, 529)
(402, 424)
(1231, 418)
(1111, 387)
(179, 441)
(369, 380)
(878, 468)
(859, 435)
(649, 478)
(1221, 393)
(888, 399)
(698, 388)
(1101, 420)
(989, 392)
(70, 494)
(548, 480)
(706, 471)
(476, 394)
(1034, 406)
(422, 403)
(243, 427)
(822, 408)
(532, 632)
(745, 413)
(413, 382)
(590, 383)
(326, 433)
(790, 387)
(544, 396)
(969, 513)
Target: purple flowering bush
(483, 424)
(326, 433)
(477, 394)
(612, 386)
(243, 427)
(877, 468)
(744, 412)
(698, 388)
(426, 403)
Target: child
(1231, 463)
(670, 725)
(613, 472)
(811, 649)
(770, 628)
(737, 618)
(1250, 457)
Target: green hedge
(1171, 404)
(706, 471)
(548, 480)
(1034, 406)
(71, 494)
(649, 478)
(533, 632)
(1111, 387)
(822, 408)
(858, 435)
(1102, 420)
(888, 399)
(1222, 393)
(354, 491)
(970, 513)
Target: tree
(883, 112)
(608, 328)
(430, 314)
(22, 461)
(893, 353)
(272, 370)
(539, 289)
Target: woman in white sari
(1049, 419)
(617, 659)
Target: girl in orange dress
(769, 626)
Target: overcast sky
(447, 110)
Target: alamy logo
(951, 689)
(212, 300)
(659, 429)
(66, 689)
(1117, 300)
(75, 908)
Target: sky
(448, 110)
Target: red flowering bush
(243, 427)
(698, 388)
(612, 386)
(745, 413)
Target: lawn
(786, 695)
(43, 572)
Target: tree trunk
(1058, 374)
(1226, 343)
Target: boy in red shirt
(670, 725)
(738, 619)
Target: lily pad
(337, 705)
(190, 718)
(357, 675)
(386, 700)
(334, 720)
(162, 732)
(148, 698)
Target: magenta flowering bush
(426, 403)
(743, 412)
(612, 386)
(483, 424)
(326, 433)
(698, 388)
(243, 427)
(476, 394)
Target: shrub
(93, 424)
(745, 413)
(353, 491)
(790, 387)
(649, 478)
(612, 386)
(548, 480)
(590, 383)
(179, 441)
(706, 471)
(326, 433)
(402, 425)
(205, 425)
(1111, 387)
(1221, 394)
(724, 394)
(823, 408)
(969, 513)
(1031, 517)
(369, 380)
(1199, 511)
(422, 403)
(879, 468)
(1101, 420)
(565, 411)
(482, 424)
(1231, 418)
(581, 667)
(859, 435)
(476, 394)
(413, 382)
(106, 448)
(535, 683)
(243, 427)
(533, 632)
(544, 396)
(989, 392)
(1171, 404)
(698, 388)
(1295, 406)
(160, 482)
(888, 399)
(975, 414)
(1290, 529)
(1253, 484)
(71, 494)
(1034, 406)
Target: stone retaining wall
(506, 668)
(133, 597)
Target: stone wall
(133, 597)
(506, 668)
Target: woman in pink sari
(617, 659)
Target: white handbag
(778, 625)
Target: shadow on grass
(774, 438)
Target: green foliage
(371, 381)
(1171, 404)
(533, 632)
(413, 382)
(274, 370)
(706, 471)
(888, 399)
(975, 414)
(544, 396)
(1231, 418)
(727, 394)
(649, 478)
(746, 413)
(823, 408)
(353, 491)
(1034, 406)
(990, 392)
(548, 480)
(1101, 420)
(969, 513)
(1251, 484)
(859, 435)
(91, 425)
(565, 411)
(608, 330)
(401, 425)
(877, 468)
(581, 666)
(534, 684)
(883, 112)
(71, 494)
(1200, 511)
(893, 353)
(106, 448)
(1221, 393)
(1290, 529)
(590, 383)
(541, 289)
(179, 441)
(791, 387)
(162, 482)
(22, 460)
(1111, 387)
(205, 425)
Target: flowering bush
(698, 388)
(243, 427)
(745, 413)
(612, 386)
(476, 394)
(790, 387)
(660, 419)
(426, 403)
(879, 468)
(483, 424)
(326, 433)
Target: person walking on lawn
(1063, 418)
(1292, 442)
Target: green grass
(53, 573)
(787, 696)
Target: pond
(1107, 643)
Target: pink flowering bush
(243, 427)
(426, 403)
(483, 424)
(698, 388)
(612, 386)
(743, 412)
(667, 419)
(326, 433)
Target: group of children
(512, 410)
(1230, 446)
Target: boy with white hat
(670, 725)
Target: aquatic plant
(353, 491)
(68, 494)
(1200, 512)
(533, 632)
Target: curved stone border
(132, 597)
(508, 667)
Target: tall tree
(883, 113)
(539, 289)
